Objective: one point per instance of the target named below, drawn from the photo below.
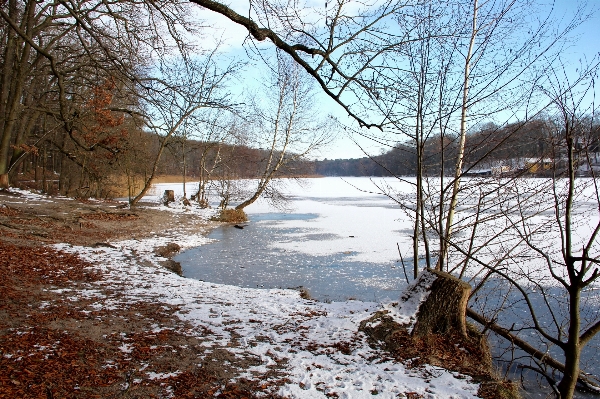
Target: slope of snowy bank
(319, 344)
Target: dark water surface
(246, 259)
(497, 294)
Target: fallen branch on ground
(584, 378)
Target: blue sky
(585, 45)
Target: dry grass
(172, 179)
(231, 216)
(305, 293)
(120, 189)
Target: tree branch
(531, 350)
(293, 50)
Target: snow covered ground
(277, 325)
(350, 221)
(274, 325)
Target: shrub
(231, 216)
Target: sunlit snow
(273, 325)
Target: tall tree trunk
(184, 169)
(16, 64)
(572, 349)
(418, 207)
(4, 183)
(461, 145)
(6, 84)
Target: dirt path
(55, 345)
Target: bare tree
(574, 264)
(215, 134)
(344, 47)
(284, 121)
(173, 102)
(477, 244)
(56, 52)
(530, 245)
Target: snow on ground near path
(34, 195)
(272, 325)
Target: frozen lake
(339, 239)
(337, 242)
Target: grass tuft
(305, 294)
(231, 216)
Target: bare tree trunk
(542, 356)
(44, 183)
(184, 168)
(4, 181)
(416, 241)
(17, 56)
(572, 349)
(461, 145)
(6, 84)
(148, 182)
(284, 124)
(418, 207)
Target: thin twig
(402, 261)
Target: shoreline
(153, 332)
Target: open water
(247, 258)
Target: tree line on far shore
(530, 148)
(517, 148)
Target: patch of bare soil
(53, 345)
(53, 220)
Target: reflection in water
(245, 258)
(499, 294)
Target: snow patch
(405, 313)
(161, 376)
(275, 326)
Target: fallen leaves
(7, 211)
(44, 361)
(56, 344)
(105, 216)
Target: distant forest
(51, 170)
(519, 147)
(514, 148)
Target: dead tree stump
(444, 310)
(429, 327)
(169, 196)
